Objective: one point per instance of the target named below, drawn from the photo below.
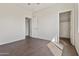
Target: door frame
(29, 25)
(72, 30)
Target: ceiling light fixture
(38, 3)
(28, 3)
(33, 3)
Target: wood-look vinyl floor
(34, 47)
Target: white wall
(34, 26)
(12, 23)
(48, 21)
(44, 22)
(76, 27)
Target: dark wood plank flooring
(34, 47)
(27, 47)
(69, 49)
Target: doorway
(65, 25)
(28, 27)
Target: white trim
(64, 11)
(78, 18)
(73, 40)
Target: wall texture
(12, 23)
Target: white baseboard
(12, 41)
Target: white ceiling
(34, 6)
